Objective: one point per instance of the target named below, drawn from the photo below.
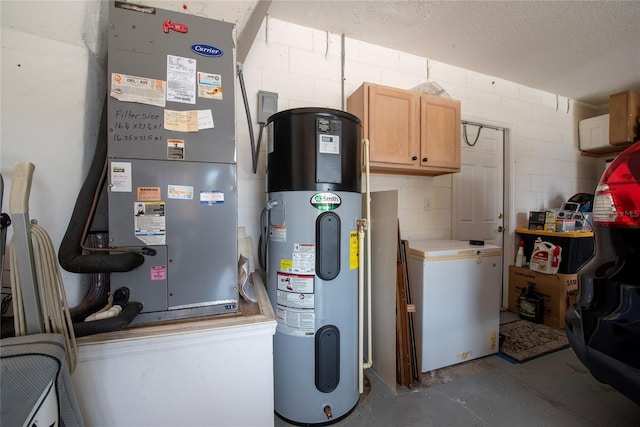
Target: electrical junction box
(267, 105)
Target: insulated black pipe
(70, 253)
(129, 312)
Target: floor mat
(523, 340)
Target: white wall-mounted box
(594, 134)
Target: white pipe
(360, 305)
(369, 362)
(368, 207)
(364, 225)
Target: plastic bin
(577, 247)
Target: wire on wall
(466, 139)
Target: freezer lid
(434, 249)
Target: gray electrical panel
(172, 160)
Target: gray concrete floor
(552, 390)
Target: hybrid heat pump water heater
(313, 184)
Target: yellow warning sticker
(353, 250)
(286, 264)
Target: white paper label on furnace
(181, 79)
(137, 89)
(205, 119)
(211, 197)
(149, 222)
(120, 177)
(182, 192)
(209, 85)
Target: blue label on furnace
(206, 50)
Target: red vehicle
(604, 326)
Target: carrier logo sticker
(206, 50)
(325, 201)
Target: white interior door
(478, 190)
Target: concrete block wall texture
(303, 66)
(53, 85)
(53, 80)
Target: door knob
(500, 229)
(414, 158)
(425, 159)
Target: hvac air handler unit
(314, 201)
(172, 170)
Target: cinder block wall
(303, 66)
(53, 85)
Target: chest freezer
(457, 290)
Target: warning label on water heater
(295, 308)
(304, 258)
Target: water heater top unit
(314, 149)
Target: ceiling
(583, 50)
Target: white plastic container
(545, 257)
(594, 134)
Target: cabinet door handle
(425, 159)
(414, 158)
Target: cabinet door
(624, 108)
(439, 133)
(394, 127)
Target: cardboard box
(559, 291)
(550, 220)
(536, 220)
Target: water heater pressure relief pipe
(364, 225)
